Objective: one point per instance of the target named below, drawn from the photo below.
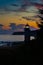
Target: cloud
(13, 26)
(14, 5)
(33, 18)
(42, 0)
(23, 8)
(39, 6)
(20, 26)
(1, 26)
(27, 18)
(17, 6)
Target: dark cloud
(42, 0)
(27, 18)
(20, 26)
(24, 6)
(1, 27)
(30, 18)
(22, 3)
(38, 6)
(1, 24)
(14, 5)
(13, 26)
(41, 17)
(33, 18)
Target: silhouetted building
(27, 34)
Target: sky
(20, 12)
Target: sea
(5, 39)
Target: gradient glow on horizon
(17, 11)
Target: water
(8, 39)
(12, 38)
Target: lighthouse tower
(27, 34)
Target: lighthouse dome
(26, 26)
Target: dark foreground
(24, 53)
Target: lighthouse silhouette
(27, 34)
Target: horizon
(14, 28)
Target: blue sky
(17, 5)
(9, 6)
(4, 3)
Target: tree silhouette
(40, 32)
(41, 12)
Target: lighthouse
(27, 34)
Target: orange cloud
(6, 28)
(6, 20)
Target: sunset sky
(20, 11)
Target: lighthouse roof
(27, 26)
